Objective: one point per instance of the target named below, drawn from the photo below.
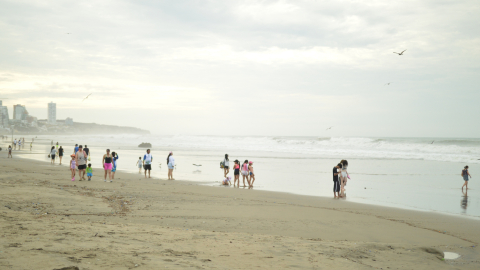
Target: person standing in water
(343, 177)
(336, 184)
(114, 169)
(226, 166)
(139, 164)
(465, 175)
(251, 172)
(245, 172)
(171, 165)
(60, 154)
(147, 163)
(53, 152)
(107, 165)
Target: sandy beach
(50, 222)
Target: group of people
(246, 169)
(340, 177)
(20, 142)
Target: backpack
(222, 164)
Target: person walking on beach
(31, 145)
(60, 154)
(53, 152)
(19, 144)
(57, 145)
(89, 171)
(15, 144)
(139, 164)
(147, 163)
(251, 172)
(336, 185)
(9, 152)
(107, 165)
(245, 172)
(114, 169)
(81, 160)
(75, 150)
(171, 165)
(226, 166)
(465, 175)
(73, 166)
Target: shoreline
(179, 224)
(208, 184)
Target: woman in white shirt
(226, 164)
(53, 152)
(171, 165)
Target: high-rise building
(4, 116)
(52, 113)
(19, 112)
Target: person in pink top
(245, 172)
(73, 167)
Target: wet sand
(50, 222)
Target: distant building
(52, 113)
(19, 112)
(69, 121)
(4, 116)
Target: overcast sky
(248, 67)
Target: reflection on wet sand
(464, 202)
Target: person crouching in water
(227, 181)
(245, 172)
(89, 171)
(236, 172)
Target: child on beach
(73, 167)
(9, 152)
(236, 172)
(336, 184)
(252, 173)
(89, 171)
(139, 164)
(245, 172)
(226, 181)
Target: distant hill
(107, 129)
(76, 128)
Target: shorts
(465, 177)
(244, 173)
(60, 155)
(140, 165)
(226, 167)
(82, 167)
(236, 172)
(251, 174)
(170, 167)
(107, 166)
(147, 167)
(114, 169)
(52, 156)
(89, 174)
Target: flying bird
(86, 97)
(329, 128)
(388, 83)
(400, 53)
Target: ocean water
(411, 173)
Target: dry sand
(50, 222)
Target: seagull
(197, 165)
(329, 128)
(388, 83)
(86, 97)
(400, 53)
